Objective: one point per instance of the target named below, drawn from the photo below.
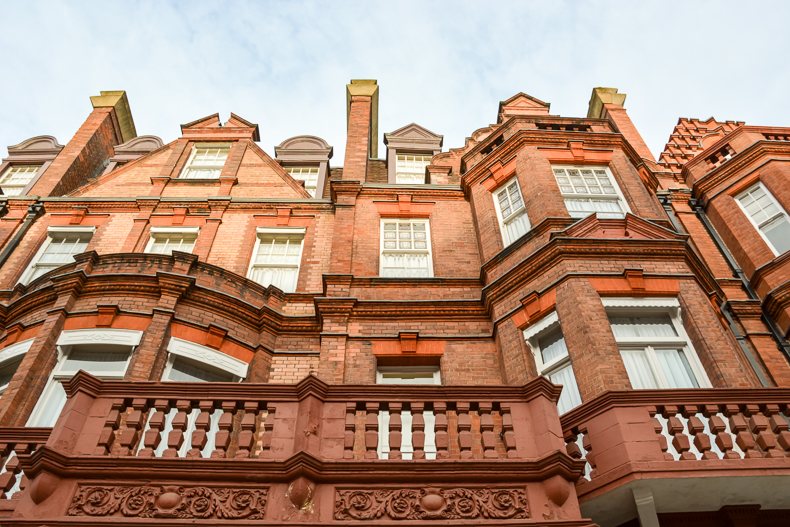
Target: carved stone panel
(432, 504)
(162, 501)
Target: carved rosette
(432, 504)
(161, 501)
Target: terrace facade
(543, 326)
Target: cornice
(409, 309)
(420, 191)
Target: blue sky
(444, 65)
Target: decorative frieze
(161, 501)
(432, 504)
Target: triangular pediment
(630, 227)
(522, 104)
(414, 134)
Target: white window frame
(185, 231)
(503, 222)
(381, 377)
(6, 176)
(428, 244)
(532, 336)
(51, 232)
(300, 170)
(620, 198)
(277, 230)
(646, 307)
(65, 343)
(11, 353)
(188, 165)
(398, 163)
(204, 355)
(758, 227)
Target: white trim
(640, 303)
(428, 244)
(782, 212)
(25, 277)
(541, 325)
(14, 350)
(513, 216)
(175, 230)
(277, 230)
(121, 337)
(207, 356)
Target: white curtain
(569, 398)
(638, 368)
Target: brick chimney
(606, 103)
(84, 157)
(362, 118)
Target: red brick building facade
(200, 333)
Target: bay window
(10, 358)
(767, 216)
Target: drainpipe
(781, 342)
(33, 212)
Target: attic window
(410, 168)
(206, 161)
(16, 178)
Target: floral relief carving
(161, 501)
(432, 504)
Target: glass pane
(569, 398)
(642, 327)
(185, 370)
(778, 232)
(552, 346)
(96, 360)
(49, 406)
(676, 368)
(7, 371)
(638, 368)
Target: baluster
(589, 455)
(440, 427)
(371, 430)
(222, 438)
(175, 439)
(247, 434)
(268, 430)
(658, 427)
(508, 434)
(571, 446)
(9, 477)
(759, 424)
(156, 422)
(718, 427)
(135, 420)
(6, 451)
(464, 430)
(395, 432)
(680, 440)
(696, 428)
(351, 430)
(740, 427)
(200, 433)
(780, 426)
(107, 436)
(487, 430)
(418, 430)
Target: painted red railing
(15, 441)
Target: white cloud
(444, 65)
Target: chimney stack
(362, 116)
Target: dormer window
(410, 168)
(206, 161)
(410, 149)
(307, 174)
(16, 178)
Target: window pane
(16, 178)
(307, 174)
(675, 367)
(206, 162)
(569, 398)
(552, 346)
(408, 376)
(96, 360)
(410, 168)
(7, 371)
(638, 368)
(647, 326)
(185, 370)
(409, 256)
(49, 406)
(778, 233)
(277, 260)
(166, 243)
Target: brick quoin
(342, 322)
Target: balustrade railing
(15, 441)
(678, 426)
(244, 421)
